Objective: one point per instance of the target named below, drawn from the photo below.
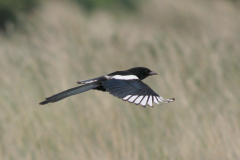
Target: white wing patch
(128, 77)
(86, 81)
(125, 98)
(150, 101)
(155, 100)
(138, 100)
(161, 99)
(146, 99)
(132, 98)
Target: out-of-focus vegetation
(18, 5)
(9, 10)
(194, 47)
(113, 4)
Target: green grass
(194, 46)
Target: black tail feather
(43, 102)
(68, 93)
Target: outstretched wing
(134, 91)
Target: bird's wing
(101, 78)
(134, 91)
(69, 92)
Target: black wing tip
(173, 99)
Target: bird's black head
(141, 72)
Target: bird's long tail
(68, 93)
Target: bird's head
(141, 72)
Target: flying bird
(126, 85)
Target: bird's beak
(152, 73)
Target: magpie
(126, 85)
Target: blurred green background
(46, 46)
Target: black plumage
(121, 89)
(126, 85)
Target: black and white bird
(126, 85)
